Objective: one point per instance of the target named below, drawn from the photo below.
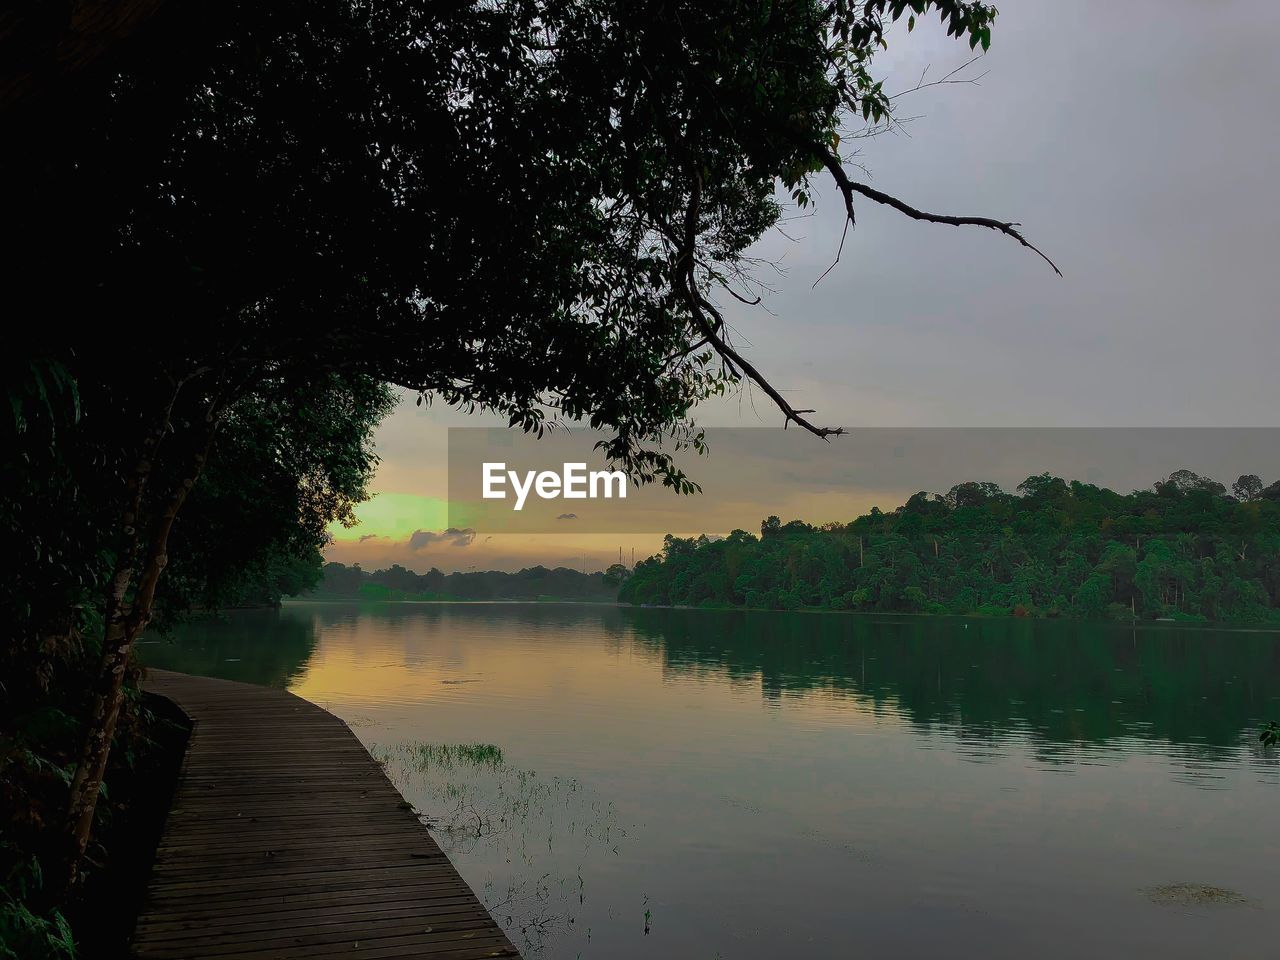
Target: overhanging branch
(792, 414)
(700, 307)
(849, 187)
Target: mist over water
(751, 784)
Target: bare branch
(839, 250)
(946, 80)
(849, 187)
(791, 414)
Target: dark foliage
(294, 456)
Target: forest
(340, 581)
(1187, 549)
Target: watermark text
(573, 482)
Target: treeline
(1186, 549)
(399, 583)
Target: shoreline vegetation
(1186, 550)
(338, 581)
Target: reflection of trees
(1063, 682)
(550, 615)
(267, 647)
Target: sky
(1135, 142)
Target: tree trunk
(123, 622)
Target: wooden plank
(286, 839)
(320, 916)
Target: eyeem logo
(573, 482)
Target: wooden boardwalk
(286, 839)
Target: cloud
(454, 536)
(369, 536)
(567, 516)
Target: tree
(1043, 487)
(293, 461)
(292, 458)
(616, 574)
(295, 456)
(527, 208)
(1182, 482)
(1247, 488)
(973, 494)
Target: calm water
(755, 785)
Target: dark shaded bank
(98, 921)
(105, 915)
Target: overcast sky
(1136, 142)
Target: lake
(702, 784)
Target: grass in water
(538, 836)
(455, 754)
(1193, 895)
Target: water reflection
(267, 647)
(1058, 682)
(837, 784)
(1062, 683)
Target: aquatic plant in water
(535, 835)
